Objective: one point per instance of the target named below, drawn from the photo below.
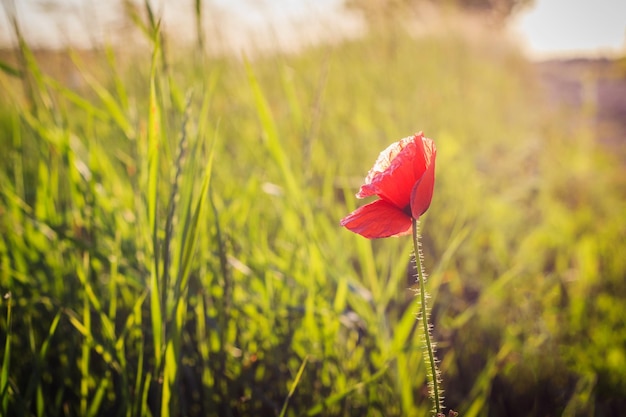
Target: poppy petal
(378, 219)
(422, 192)
(396, 171)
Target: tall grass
(170, 241)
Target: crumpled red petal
(422, 193)
(378, 219)
(396, 171)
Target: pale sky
(570, 27)
(549, 28)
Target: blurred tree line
(380, 11)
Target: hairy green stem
(429, 346)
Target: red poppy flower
(403, 178)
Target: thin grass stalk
(24, 53)
(174, 335)
(272, 140)
(137, 408)
(204, 349)
(33, 389)
(172, 205)
(132, 12)
(18, 160)
(226, 300)
(336, 398)
(293, 386)
(114, 109)
(192, 214)
(191, 227)
(6, 361)
(96, 403)
(85, 358)
(154, 140)
(199, 28)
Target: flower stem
(434, 375)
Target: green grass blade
(96, 402)
(35, 91)
(85, 358)
(6, 361)
(8, 69)
(79, 100)
(272, 137)
(192, 227)
(295, 383)
(132, 11)
(154, 140)
(111, 105)
(333, 399)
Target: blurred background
(172, 175)
(545, 28)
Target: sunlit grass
(170, 237)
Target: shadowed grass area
(170, 240)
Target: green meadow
(170, 241)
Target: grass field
(170, 239)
